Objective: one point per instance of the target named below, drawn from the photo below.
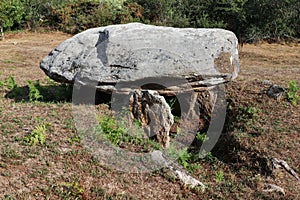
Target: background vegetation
(251, 20)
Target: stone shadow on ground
(230, 150)
(47, 94)
(53, 93)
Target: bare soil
(258, 128)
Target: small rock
(267, 82)
(276, 92)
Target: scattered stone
(135, 51)
(267, 82)
(276, 92)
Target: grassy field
(41, 156)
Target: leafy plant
(73, 190)
(119, 134)
(292, 93)
(201, 137)
(37, 136)
(11, 83)
(34, 93)
(108, 126)
(11, 12)
(219, 176)
(181, 155)
(74, 139)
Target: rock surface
(154, 114)
(131, 52)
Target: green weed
(2, 84)
(111, 130)
(172, 102)
(10, 153)
(219, 176)
(118, 133)
(74, 139)
(34, 93)
(181, 155)
(201, 137)
(37, 136)
(69, 190)
(11, 83)
(292, 93)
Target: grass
(118, 134)
(37, 136)
(292, 93)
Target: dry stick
(274, 188)
(281, 163)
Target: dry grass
(63, 168)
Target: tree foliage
(251, 20)
(11, 12)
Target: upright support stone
(154, 114)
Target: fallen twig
(282, 164)
(274, 188)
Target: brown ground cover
(258, 128)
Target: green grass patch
(37, 136)
(292, 93)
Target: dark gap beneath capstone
(103, 98)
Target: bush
(255, 20)
(11, 12)
(81, 15)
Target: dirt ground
(258, 129)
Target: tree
(11, 12)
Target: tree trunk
(2, 34)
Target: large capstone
(130, 52)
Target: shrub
(292, 93)
(11, 12)
(81, 15)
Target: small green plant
(248, 114)
(118, 133)
(292, 93)
(37, 136)
(172, 102)
(201, 137)
(219, 176)
(2, 84)
(74, 139)
(10, 153)
(109, 127)
(74, 189)
(181, 155)
(11, 83)
(34, 93)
